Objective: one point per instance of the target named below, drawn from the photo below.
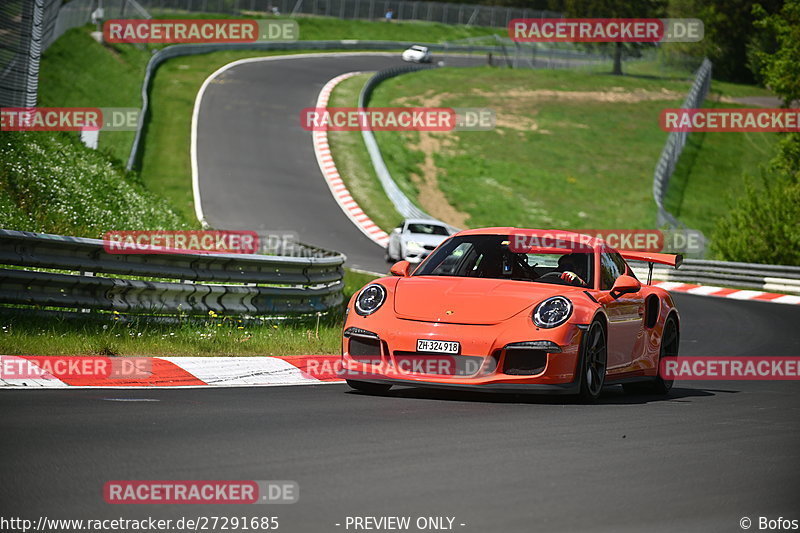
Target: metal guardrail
(674, 146)
(228, 284)
(774, 278)
(401, 202)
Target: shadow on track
(612, 395)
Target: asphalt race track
(699, 460)
(257, 169)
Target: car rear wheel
(669, 348)
(594, 357)
(365, 386)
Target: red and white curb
(175, 372)
(736, 294)
(332, 177)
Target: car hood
(468, 300)
(424, 238)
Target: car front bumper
(491, 357)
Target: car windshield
(419, 48)
(489, 256)
(428, 229)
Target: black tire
(593, 361)
(669, 348)
(371, 388)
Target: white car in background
(417, 54)
(415, 238)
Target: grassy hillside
(76, 71)
(53, 183)
(571, 149)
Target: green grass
(329, 28)
(564, 162)
(549, 160)
(24, 334)
(711, 173)
(51, 182)
(76, 71)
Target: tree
(764, 225)
(730, 35)
(616, 9)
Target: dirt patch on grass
(431, 197)
(429, 98)
(519, 123)
(615, 95)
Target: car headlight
(552, 312)
(415, 244)
(370, 299)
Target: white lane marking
(130, 400)
(744, 295)
(710, 290)
(150, 388)
(669, 285)
(704, 290)
(198, 204)
(227, 371)
(787, 299)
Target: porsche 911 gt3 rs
(507, 309)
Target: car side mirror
(401, 268)
(625, 285)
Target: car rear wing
(673, 260)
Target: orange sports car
(513, 310)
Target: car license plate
(431, 346)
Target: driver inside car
(573, 268)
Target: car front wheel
(594, 357)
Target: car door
(625, 315)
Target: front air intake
(524, 362)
